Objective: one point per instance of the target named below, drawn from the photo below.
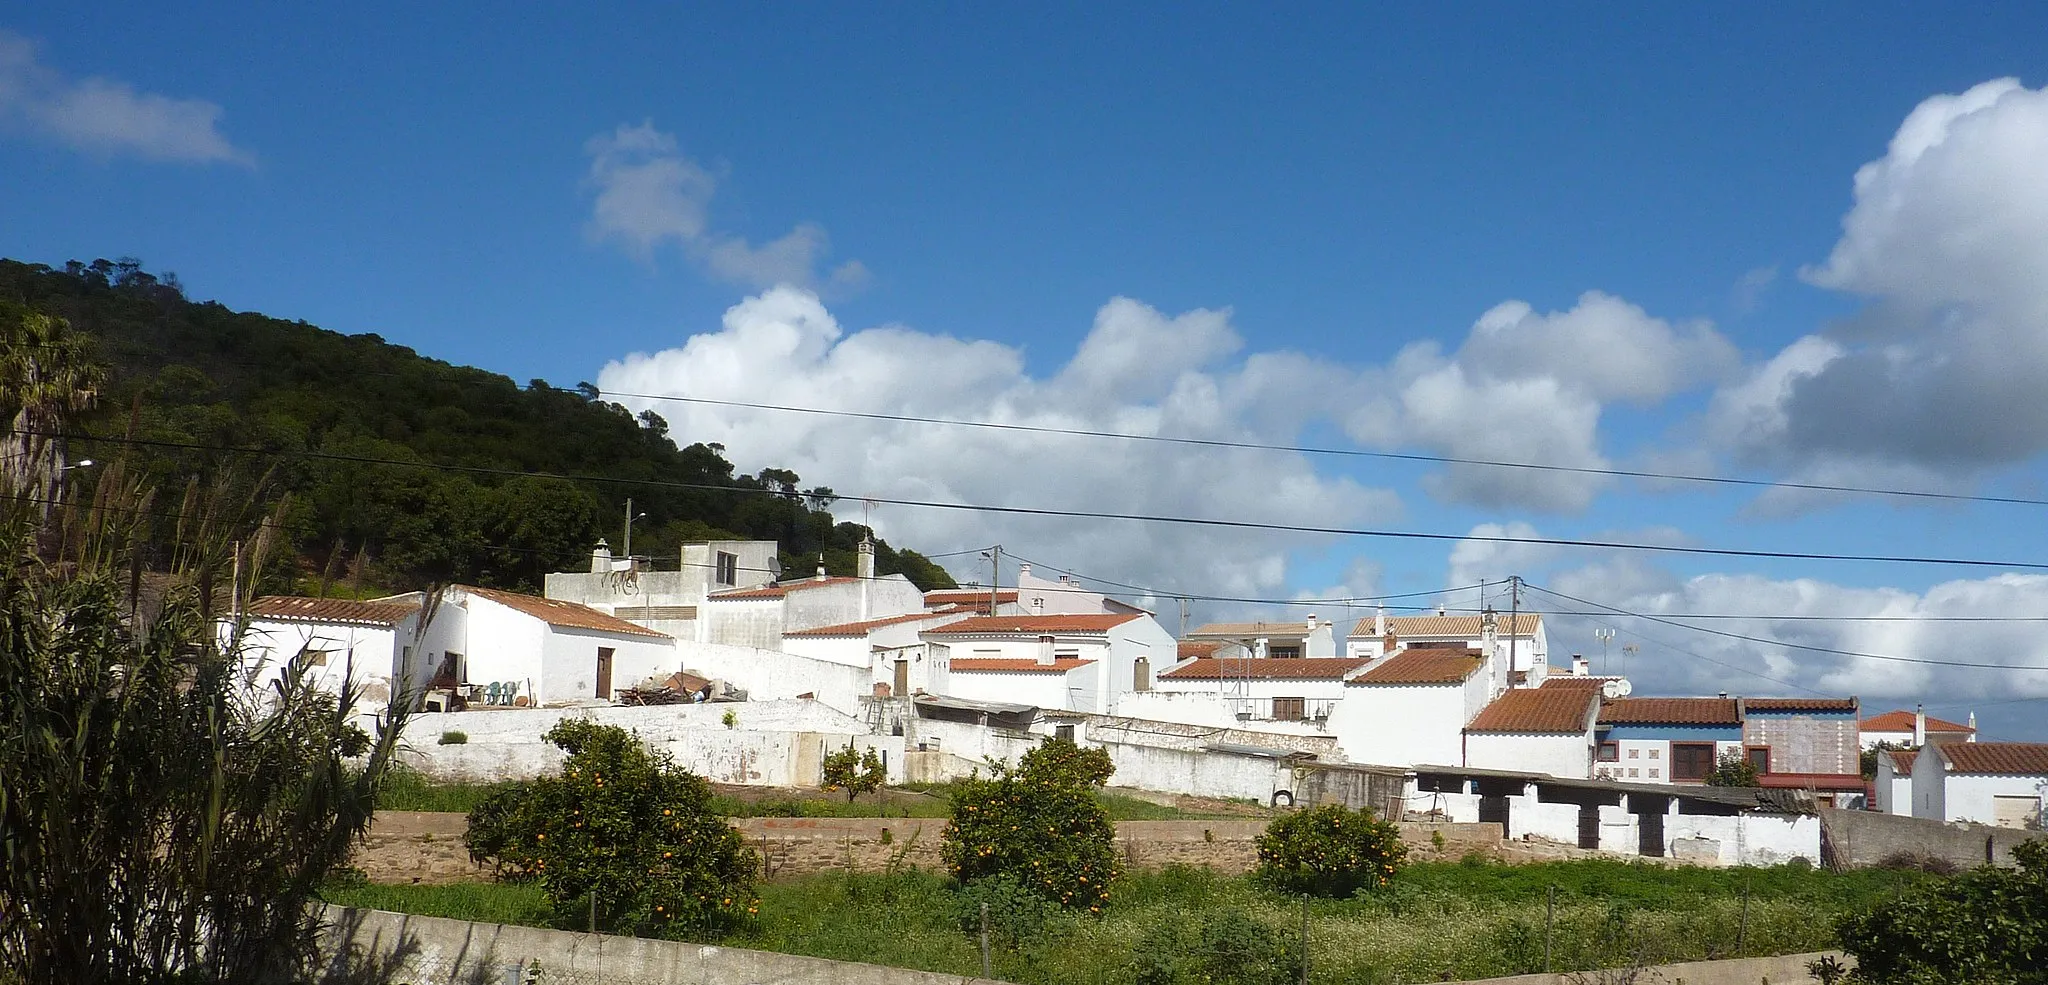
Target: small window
(728, 568)
(1655, 753)
(1759, 757)
(1290, 709)
(1635, 754)
(1284, 652)
(1610, 752)
(317, 658)
(1653, 772)
(1063, 732)
(1631, 772)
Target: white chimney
(1379, 622)
(1580, 666)
(821, 567)
(601, 558)
(864, 562)
(1311, 622)
(1919, 725)
(1023, 570)
(1440, 608)
(1973, 727)
(1045, 650)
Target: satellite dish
(1616, 688)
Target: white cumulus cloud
(104, 116)
(648, 193)
(1139, 370)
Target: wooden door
(1691, 760)
(1650, 839)
(604, 672)
(902, 678)
(1589, 826)
(1494, 808)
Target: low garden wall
(1858, 838)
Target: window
(1691, 760)
(1632, 772)
(1284, 652)
(1289, 709)
(1635, 754)
(1653, 773)
(1063, 732)
(1759, 757)
(1654, 753)
(728, 568)
(1610, 752)
(317, 658)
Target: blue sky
(1307, 215)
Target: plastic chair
(511, 691)
(491, 693)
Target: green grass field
(1461, 920)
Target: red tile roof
(1670, 711)
(862, 628)
(1902, 759)
(969, 599)
(1035, 625)
(776, 591)
(1546, 710)
(1251, 630)
(1425, 666)
(331, 610)
(1462, 627)
(1902, 721)
(1017, 665)
(1811, 781)
(1198, 648)
(1267, 668)
(1800, 704)
(568, 615)
(1575, 680)
(2007, 758)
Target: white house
(758, 617)
(371, 641)
(1412, 707)
(1283, 689)
(1281, 640)
(1666, 740)
(891, 648)
(1081, 662)
(547, 650)
(1521, 636)
(1913, 729)
(1893, 789)
(669, 602)
(1547, 729)
(2001, 783)
(1065, 596)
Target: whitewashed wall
(500, 644)
(1401, 725)
(1970, 795)
(1052, 689)
(770, 674)
(840, 602)
(741, 622)
(1893, 790)
(756, 758)
(369, 653)
(569, 657)
(1139, 765)
(1551, 754)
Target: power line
(1337, 452)
(1794, 646)
(1102, 515)
(1317, 450)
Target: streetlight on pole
(627, 546)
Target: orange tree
(1330, 851)
(622, 837)
(1039, 824)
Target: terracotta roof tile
(1035, 625)
(1670, 711)
(1267, 668)
(1902, 721)
(568, 615)
(2007, 758)
(1251, 630)
(1018, 665)
(1427, 666)
(1197, 648)
(1465, 627)
(331, 610)
(1800, 704)
(1812, 781)
(776, 591)
(863, 628)
(1546, 709)
(1586, 682)
(1902, 759)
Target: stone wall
(427, 848)
(1729, 971)
(1858, 838)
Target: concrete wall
(750, 622)
(1857, 838)
(1973, 797)
(407, 948)
(569, 661)
(1731, 971)
(841, 602)
(1552, 754)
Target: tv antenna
(1605, 635)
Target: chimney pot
(1022, 570)
(601, 558)
(1581, 667)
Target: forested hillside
(404, 471)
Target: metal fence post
(1742, 927)
(1304, 939)
(1549, 920)
(984, 940)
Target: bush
(1330, 851)
(1733, 770)
(454, 738)
(622, 829)
(853, 772)
(1038, 823)
(1228, 945)
(1985, 926)
(1016, 914)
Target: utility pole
(995, 575)
(1514, 616)
(627, 546)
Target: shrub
(1016, 913)
(1038, 823)
(1733, 770)
(1330, 851)
(1227, 945)
(731, 719)
(454, 738)
(1988, 925)
(621, 830)
(853, 772)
